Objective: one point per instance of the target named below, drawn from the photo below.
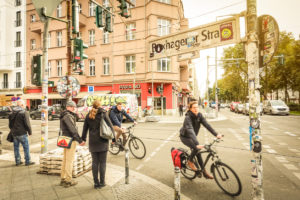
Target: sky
(200, 12)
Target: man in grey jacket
(20, 127)
(68, 127)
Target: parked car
(5, 111)
(53, 112)
(276, 107)
(239, 108)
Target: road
(281, 154)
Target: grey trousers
(99, 166)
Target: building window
(59, 38)
(105, 37)
(80, 8)
(92, 37)
(49, 40)
(105, 66)
(18, 2)
(32, 44)
(18, 41)
(5, 80)
(130, 64)
(130, 31)
(59, 68)
(92, 8)
(32, 18)
(163, 65)
(18, 80)
(18, 59)
(163, 27)
(59, 10)
(18, 19)
(105, 3)
(49, 69)
(165, 1)
(92, 67)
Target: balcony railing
(18, 84)
(18, 63)
(18, 2)
(18, 23)
(5, 85)
(18, 43)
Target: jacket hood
(115, 108)
(65, 112)
(101, 110)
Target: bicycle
(222, 173)
(135, 144)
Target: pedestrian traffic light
(123, 8)
(75, 17)
(36, 70)
(218, 91)
(281, 59)
(108, 21)
(99, 17)
(78, 50)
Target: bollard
(177, 183)
(0, 142)
(126, 166)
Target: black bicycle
(135, 144)
(225, 176)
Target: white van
(129, 101)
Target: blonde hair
(96, 105)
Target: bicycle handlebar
(130, 127)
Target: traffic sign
(48, 6)
(91, 89)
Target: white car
(276, 107)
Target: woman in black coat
(189, 131)
(97, 145)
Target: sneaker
(20, 163)
(71, 183)
(30, 163)
(62, 182)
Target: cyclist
(116, 116)
(189, 131)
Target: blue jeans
(23, 139)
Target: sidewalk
(24, 183)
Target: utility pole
(69, 51)
(207, 82)
(252, 57)
(216, 93)
(44, 75)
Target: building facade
(12, 48)
(116, 61)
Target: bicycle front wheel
(226, 179)
(114, 148)
(137, 147)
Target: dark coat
(19, 122)
(116, 116)
(96, 143)
(192, 124)
(68, 125)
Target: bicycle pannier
(177, 157)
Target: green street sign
(48, 5)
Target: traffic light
(281, 59)
(78, 50)
(108, 22)
(218, 91)
(123, 8)
(99, 17)
(75, 17)
(36, 70)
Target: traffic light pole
(44, 74)
(252, 57)
(69, 50)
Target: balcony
(18, 23)
(18, 84)
(4, 85)
(36, 26)
(18, 43)
(18, 63)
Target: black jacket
(68, 125)
(192, 124)
(116, 116)
(19, 122)
(96, 143)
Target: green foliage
(294, 106)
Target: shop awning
(39, 96)
(83, 94)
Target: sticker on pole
(63, 88)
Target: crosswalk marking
(282, 143)
(266, 146)
(271, 150)
(290, 166)
(274, 128)
(294, 150)
(297, 175)
(289, 133)
(282, 159)
(245, 130)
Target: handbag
(10, 137)
(106, 131)
(64, 141)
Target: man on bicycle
(188, 135)
(116, 117)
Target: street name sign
(211, 35)
(49, 5)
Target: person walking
(97, 145)
(180, 109)
(68, 128)
(20, 128)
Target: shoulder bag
(64, 141)
(106, 131)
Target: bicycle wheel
(186, 171)
(137, 147)
(114, 148)
(226, 179)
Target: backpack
(177, 157)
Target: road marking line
(289, 133)
(266, 146)
(282, 159)
(271, 150)
(153, 154)
(297, 175)
(282, 143)
(290, 166)
(274, 128)
(147, 159)
(294, 150)
(231, 130)
(139, 167)
(245, 130)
